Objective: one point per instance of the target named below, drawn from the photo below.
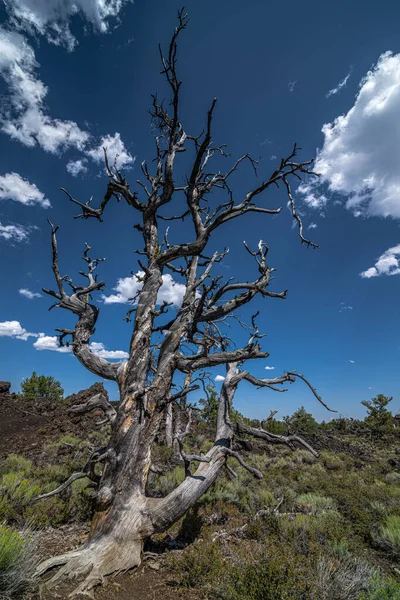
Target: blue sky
(74, 79)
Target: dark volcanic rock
(27, 426)
(5, 387)
(85, 395)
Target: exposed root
(96, 561)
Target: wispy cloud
(16, 232)
(312, 226)
(28, 294)
(344, 307)
(339, 86)
(352, 362)
(268, 368)
(291, 85)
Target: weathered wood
(193, 340)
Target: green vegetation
(16, 561)
(324, 528)
(379, 418)
(42, 386)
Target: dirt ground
(152, 581)
(26, 426)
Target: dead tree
(194, 339)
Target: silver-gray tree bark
(194, 339)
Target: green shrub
(199, 564)
(276, 572)
(17, 561)
(381, 589)
(165, 484)
(388, 536)
(315, 504)
(342, 579)
(48, 512)
(16, 464)
(40, 386)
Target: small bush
(200, 563)
(315, 504)
(381, 589)
(342, 579)
(16, 464)
(17, 561)
(388, 536)
(165, 484)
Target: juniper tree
(191, 341)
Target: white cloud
(269, 368)
(291, 85)
(77, 166)
(50, 342)
(312, 226)
(126, 288)
(51, 18)
(99, 349)
(339, 86)
(387, 264)
(14, 329)
(115, 148)
(344, 307)
(351, 362)
(28, 294)
(15, 232)
(219, 378)
(23, 117)
(14, 187)
(359, 158)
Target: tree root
(96, 561)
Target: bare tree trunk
(169, 417)
(193, 341)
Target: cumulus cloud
(219, 378)
(14, 329)
(359, 159)
(51, 18)
(15, 232)
(99, 349)
(269, 368)
(77, 166)
(23, 116)
(14, 187)
(128, 287)
(115, 150)
(28, 294)
(387, 264)
(50, 342)
(339, 86)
